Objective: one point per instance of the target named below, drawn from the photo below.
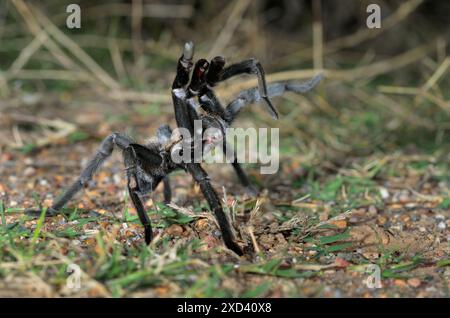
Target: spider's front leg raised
(184, 66)
(218, 73)
(183, 115)
(276, 89)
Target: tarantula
(193, 99)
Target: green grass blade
(39, 224)
(2, 211)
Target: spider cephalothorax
(194, 100)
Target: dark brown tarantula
(147, 165)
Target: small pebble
(31, 99)
(403, 197)
(442, 225)
(353, 220)
(372, 210)
(414, 282)
(384, 193)
(175, 230)
(117, 179)
(397, 227)
(29, 171)
(6, 156)
(405, 218)
(371, 255)
(12, 179)
(400, 283)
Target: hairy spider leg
(198, 79)
(167, 190)
(132, 154)
(184, 66)
(215, 69)
(181, 109)
(208, 99)
(130, 161)
(276, 89)
(195, 86)
(164, 134)
(201, 177)
(250, 66)
(149, 160)
(183, 114)
(104, 151)
(210, 103)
